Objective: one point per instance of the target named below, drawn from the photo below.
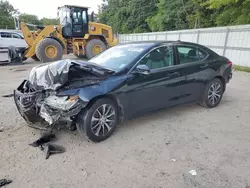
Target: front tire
(99, 121)
(48, 50)
(213, 93)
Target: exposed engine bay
(51, 93)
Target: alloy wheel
(214, 93)
(103, 120)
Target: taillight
(230, 63)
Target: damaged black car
(122, 82)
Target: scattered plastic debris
(174, 160)
(8, 96)
(53, 149)
(4, 182)
(1, 129)
(47, 147)
(193, 172)
(47, 137)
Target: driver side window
(159, 58)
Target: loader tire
(94, 47)
(49, 50)
(34, 57)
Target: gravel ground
(152, 151)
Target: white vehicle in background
(12, 46)
(11, 38)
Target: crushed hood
(51, 76)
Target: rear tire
(212, 94)
(91, 46)
(99, 121)
(47, 55)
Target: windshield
(118, 57)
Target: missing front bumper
(34, 107)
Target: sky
(48, 8)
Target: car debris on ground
(46, 137)
(1, 129)
(49, 148)
(8, 96)
(4, 182)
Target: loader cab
(74, 21)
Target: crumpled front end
(39, 106)
(45, 97)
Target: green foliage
(127, 16)
(241, 68)
(160, 15)
(134, 16)
(49, 21)
(29, 18)
(6, 13)
(230, 12)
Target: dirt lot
(153, 151)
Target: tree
(7, 11)
(29, 18)
(230, 12)
(171, 15)
(127, 16)
(49, 21)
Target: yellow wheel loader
(75, 34)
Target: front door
(160, 88)
(79, 22)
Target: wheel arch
(113, 98)
(222, 80)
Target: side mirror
(143, 69)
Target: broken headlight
(61, 103)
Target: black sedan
(120, 83)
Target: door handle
(204, 66)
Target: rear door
(193, 63)
(159, 89)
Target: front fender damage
(51, 94)
(40, 106)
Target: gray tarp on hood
(50, 75)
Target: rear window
(188, 54)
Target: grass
(241, 68)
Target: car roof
(155, 43)
(159, 42)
